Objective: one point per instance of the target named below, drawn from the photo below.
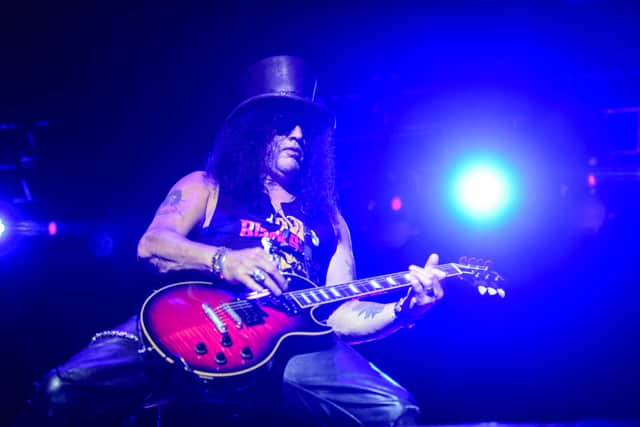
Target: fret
(364, 288)
(450, 269)
(334, 291)
(400, 280)
(375, 284)
(403, 279)
(306, 298)
(294, 295)
(352, 290)
(309, 297)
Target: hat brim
(321, 116)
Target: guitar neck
(361, 288)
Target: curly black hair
(237, 162)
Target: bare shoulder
(188, 203)
(198, 179)
(198, 184)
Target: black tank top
(237, 227)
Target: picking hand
(253, 268)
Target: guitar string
(298, 294)
(339, 287)
(367, 281)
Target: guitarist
(269, 183)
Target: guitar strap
(311, 240)
(308, 253)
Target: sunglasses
(284, 123)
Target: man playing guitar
(268, 184)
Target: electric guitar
(214, 332)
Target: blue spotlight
(483, 191)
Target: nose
(296, 134)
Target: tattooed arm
(360, 321)
(355, 321)
(164, 245)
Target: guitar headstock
(481, 274)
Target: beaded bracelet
(217, 262)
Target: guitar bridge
(211, 314)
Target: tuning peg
(489, 264)
(501, 293)
(463, 260)
(497, 278)
(482, 289)
(492, 291)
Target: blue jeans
(114, 376)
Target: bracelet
(217, 262)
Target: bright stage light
(2, 227)
(482, 191)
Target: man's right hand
(241, 266)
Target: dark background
(123, 100)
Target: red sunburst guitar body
(214, 332)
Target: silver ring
(258, 275)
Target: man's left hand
(425, 290)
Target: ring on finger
(258, 275)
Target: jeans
(115, 376)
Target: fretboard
(359, 288)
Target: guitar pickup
(232, 313)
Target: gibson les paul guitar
(215, 332)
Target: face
(285, 153)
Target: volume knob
(201, 348)
(226, 340)
(221, 359)
(246, 353)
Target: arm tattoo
(172, 199)
(368, 310)
(170, 204)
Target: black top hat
(285, 82)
